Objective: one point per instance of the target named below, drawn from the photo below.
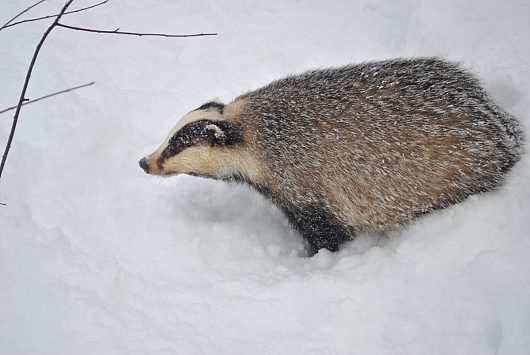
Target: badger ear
(217, 100)
(212, 105)
(223, 133)
(215, 131)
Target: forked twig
(26, 82)
(50, 16)
(20, 14)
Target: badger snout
(144, 165)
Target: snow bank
(97, 257)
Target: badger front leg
(318, 227)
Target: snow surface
(98, 257)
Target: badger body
(358, 148)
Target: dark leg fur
(318, 227)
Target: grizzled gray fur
(364, 147)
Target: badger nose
(143, 164)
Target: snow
(98, 257)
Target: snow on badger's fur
(363, 147)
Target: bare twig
(20, 14)
(50, 16)
(26, 82)
(49, 95)
(3, 204)
(116, 32)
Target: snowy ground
(98, 257)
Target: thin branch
(49, 95)
(3, 204)
(26, 82)
(50, 16)
(117, 32)
(20, 14)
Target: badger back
(379, 143)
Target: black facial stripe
(218, 106)
(196, 132)
(188, 136)
(231, 134)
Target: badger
(359, 148)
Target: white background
(97, 257)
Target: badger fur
(363, 147)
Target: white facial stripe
(193, 116)
(214, 162)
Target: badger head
(203, 143)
